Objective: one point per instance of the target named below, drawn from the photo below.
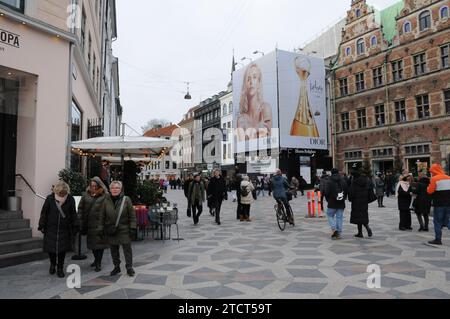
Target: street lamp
(256, 52)
(188, 96)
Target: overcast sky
(162, 44)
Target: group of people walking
(107, 219)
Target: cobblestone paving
(255, 260)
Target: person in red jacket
(440, 190)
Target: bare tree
(155, 123)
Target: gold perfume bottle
(304, 123)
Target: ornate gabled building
(392, 86)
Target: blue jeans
(335, 219)
(441, 219)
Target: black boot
(98, 266)
(131, 272)
(116, 271)
(52, 270)
(60, 272)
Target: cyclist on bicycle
(280, 187)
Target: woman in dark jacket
(423, 201)
(217, 192)
(404, 203)
(380, 188)
(126, 229)
(359, 196)
(92, 205)
(57, 223)
(196, 196)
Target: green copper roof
(388, 20)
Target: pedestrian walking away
(422, 203)
(247, 198)
(58, 224)
(217, 191)
(404, 203)
(439, 189)
(380, 188)
(187, 182)
(336, 195)
(359, 197)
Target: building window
(444, 55)
(89, 51)
(373, 41)
(76, 135)
(380, 115)
(231, 107)
(362, 118)
(407, 27)
(353, 155)
(94, 69)
(358, 13)
(225, 110)
(444, 12)
(424, 20)
(83, 30)
(397, 70)
(447, 101)
(174, 165)
(360, 47)
(400, 111)
(348, 51)
(345, 119)
(417, 149)
(382, 152)
(360, 82)
(17, 5)
(420, 64)
(423, 106)
(167, 165)
(224, 152)
(378, 76)
(343, 85)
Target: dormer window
(444, 12)
(360, 47)
(358, 13)
(407, 27)
(424, 20)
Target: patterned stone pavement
(255, 260)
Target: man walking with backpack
(336, 193)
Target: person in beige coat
(247, 200)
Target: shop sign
(9, 38)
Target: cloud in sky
(162, 44)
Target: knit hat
(334, 171)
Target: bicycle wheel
(281, 217)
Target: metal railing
(30, 187)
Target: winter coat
(196, 192)
(336, 185)
(359, 196)
(404, 198)
(237, 185)
(217, 189)
(380, 187)
(280, 186)
(186, 187)
(90, 210)
(324, 184)
(439, 187)
(127, 221)
(423, 200)
(58, 231)
(247, 200)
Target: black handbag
(111, 230)
(372, 196)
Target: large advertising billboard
(255, 98)
(302, 101)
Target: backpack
(244, 191)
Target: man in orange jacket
(440, 190)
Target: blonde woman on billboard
(255, 117)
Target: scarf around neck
(61, 200)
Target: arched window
(407, 27)
(373, 41)
(360, 46)
(348, 51)
(358, 13)
(231, 107)
(225, 109)
(444, 12)
(424, 20)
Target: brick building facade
(392, 86)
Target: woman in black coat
(423, 201)
(57, 223)
(404, 203)
(359, 196)
(217, 193)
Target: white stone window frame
(440, 13)
(407, 24)
(358, 42)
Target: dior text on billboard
(302, 101)
(256, 99)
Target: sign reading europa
(9, 38)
